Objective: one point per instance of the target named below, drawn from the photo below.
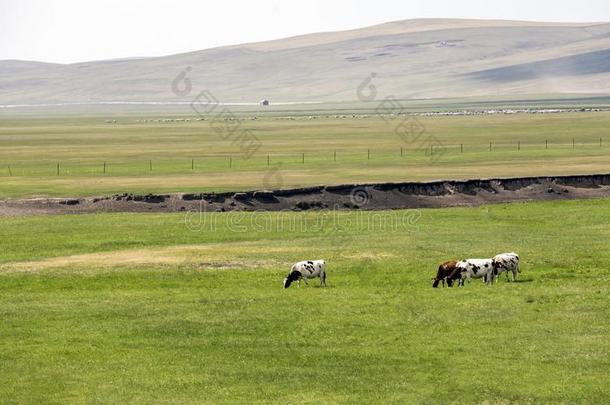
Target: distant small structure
(265, 103)
(446, 44)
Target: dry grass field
(192, 156)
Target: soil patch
(383, 196)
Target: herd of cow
(449, 272)
(487, 269)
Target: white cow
(476, 268)
(306, 270)
(506, 262)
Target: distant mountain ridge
(430, 58)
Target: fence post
(461, 148)
(546, 143)
(58, 169)
(368, 154)
(150, 165)
(192, 164)
(9, 171)
(401, 152)
(303, 161)
(431, 150)
(230, 162)
(268, 161)
(518, 145)
(573, 143)
(104, 167)
(490, 146)
(335, 156)
(600, 142)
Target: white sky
(80, 30)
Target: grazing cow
(506, 262)
(447, 271)
(476, 268)
(305, 271)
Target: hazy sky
(80, 30)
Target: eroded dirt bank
(344, 197)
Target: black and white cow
(476, 268)
(506, 262)
(305, 271)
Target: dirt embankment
(344, 197)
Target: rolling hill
(411, 59)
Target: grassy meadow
(171, 308)
(131, 155)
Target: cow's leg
(323, 279)
(515, 271)
(306, 282)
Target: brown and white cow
(449, 272)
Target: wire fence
(430, 154)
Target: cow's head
(294, 276)
(435, 282)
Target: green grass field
(140, 308)
(190, 157)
